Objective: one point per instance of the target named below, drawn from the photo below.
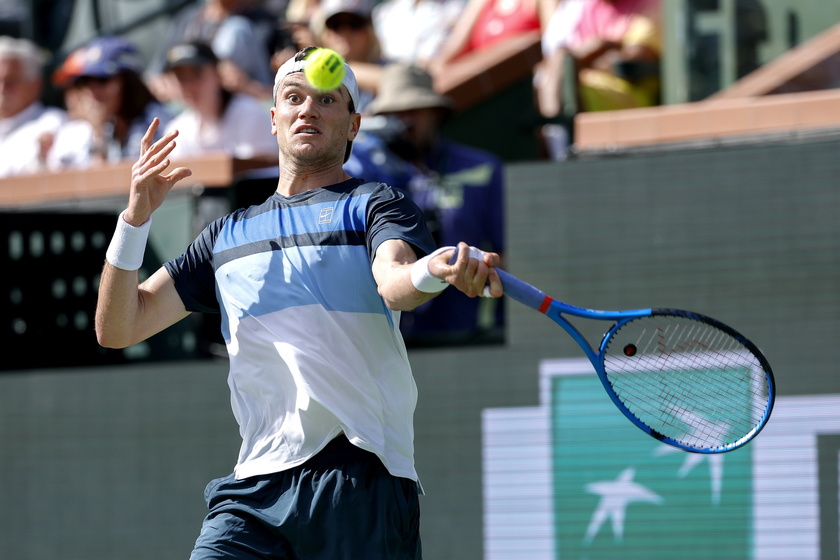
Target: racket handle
(514, 288)
(521, 291)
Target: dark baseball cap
(103, 57)
(190, 54)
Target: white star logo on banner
(694, 459)
(616, 495)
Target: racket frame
(554, 309)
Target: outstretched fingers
(150, 182)
(177, 174)
(157, 152)
(154, 160)
(149, 136)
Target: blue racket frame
(536, 299)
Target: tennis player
(310, 285)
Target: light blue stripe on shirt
(347, 213)
(296, 277)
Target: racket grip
(521, 291)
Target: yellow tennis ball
(324, 69)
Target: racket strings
(687, 380)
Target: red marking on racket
(546, 303)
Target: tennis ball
(324, 69)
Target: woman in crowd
(108, 102)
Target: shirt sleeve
(193, 272)
(393, 215)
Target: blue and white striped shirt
(313, 348)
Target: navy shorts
(341, 504)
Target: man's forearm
(128, 313)
(117, 307)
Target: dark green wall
(505, 124)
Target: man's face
(421, 127)
(350, 35)
(198, 85)
(101, 94)
(17, 90)
(312, 127)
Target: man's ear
(355, 124)
(273, 111)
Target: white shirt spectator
(413, 31)
(26, 125)
(21, 137)
(75, 141)
(244, 131)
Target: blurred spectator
(240, 33)
(611, 48)
(108, 102)
(301, 19)
(413, 31)
(26, 125)
(486, 22)
(459, 188)
(284, 45)
(216, 119)
(348, 29)
(303, 12)
(277, 8)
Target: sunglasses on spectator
(354, 23)
(86, 81)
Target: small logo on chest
(326, 215)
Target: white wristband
(128, 244)
(422, 279)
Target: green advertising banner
(618, 493)
(574, 479)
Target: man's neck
(295, 182)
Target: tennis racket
(685, 379)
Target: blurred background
(721, 197)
